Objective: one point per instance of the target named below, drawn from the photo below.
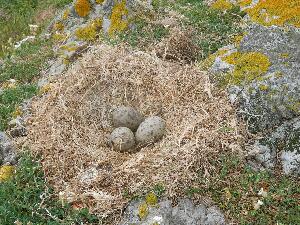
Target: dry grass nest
(178, 46)
(70, 124)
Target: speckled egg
(127, 117)
(122, 139)
(151, 130)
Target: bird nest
(70, 125)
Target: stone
(164, 213)
(283, 141)
(127, 117)
(7, 150)
(291, 162)
(151, 130)
(122, 139)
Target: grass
(16, 15)
(28, 199)
(235, 189)
(24, 67)
(213, 29)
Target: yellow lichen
(83, 7)
(151, 199)
(222, 5)
(69, 48)
(59, 26)
(244, 3)
(284, 55)
(66, 14)
(247, 67)
(275, 12)
(238, 39)
(232, 58)
(46, 88)
(99, 1)
(10, 84)
(208, 62)
(143, 211)
(18, 112)
(118, 22)
(59, 37)
(89, 33)
(263, 87)
(6, 172)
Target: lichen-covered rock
(84, 21)
(151, 130)
(185, 213)
(266, 85)
(127, 117)
(122, 139)
(283, 142)
(7, 150)
(262, 73)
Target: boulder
(164, 213)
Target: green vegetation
(16, 15)
(143, 36)
(28, 199)
(213, 28)
(236, 189)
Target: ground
(234, 187)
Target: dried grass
(70, 124)
(178, 46)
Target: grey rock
(266, 109)
(151, 130)
(127, 117)
(8, 154)
(57, 67)
(122, 139)
(185, 213)
(214, 216)
(291, 162)
(283, 141)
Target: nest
(178, 46)
(70, 125)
